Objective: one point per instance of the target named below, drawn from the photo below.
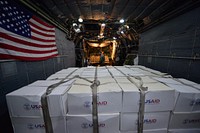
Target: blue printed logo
(32, 106)
(195, 102)
(30, 126)
(87, 104)
(84, 125)
(35, 126)
(27, 106)
(150, 121)
(89, 125)
(152, 101)
(191, 121)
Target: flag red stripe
(6, 46)
(42, 40)
(42, 22)
(43, 34)
(40, 28)
(3, 35)
(5, 56)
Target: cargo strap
(94, 86)
(141, 103)
(45, 109)
(142, 90)
(110, 73)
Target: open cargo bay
(99, 66)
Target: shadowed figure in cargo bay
(102, 59)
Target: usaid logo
(84, 125)
(102, 103)
(191, 121)
(27, 106)
(30, 126)
(32, 106)
(152, 101)
(88, 104)
(35, 126)
(89, 125)
(150, 121)
(195, 102)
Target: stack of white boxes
(109, 97)
(26, 110)
(70, 104)
(186, 113)
(159, 100)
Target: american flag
(23, 36)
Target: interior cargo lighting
(80, 20)
(74, 24)
(121, 20)
(103, 24)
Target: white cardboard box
(26, 101)
(152, 120)
(184, 120)
(159, 97)
(114, 72)
(80, 99)
(184, 131)
(185, 81)
(77, 72)
(108, 123)
(187, 99)
(106, 80)
(47, 83)
(57, 76)
(197, 86)
(122, 80)
(145, 79)
(67, 71)
(36, 124)
(130, 98)
(88, 72)
(167, 80)
(148, 131)
(103, 72)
